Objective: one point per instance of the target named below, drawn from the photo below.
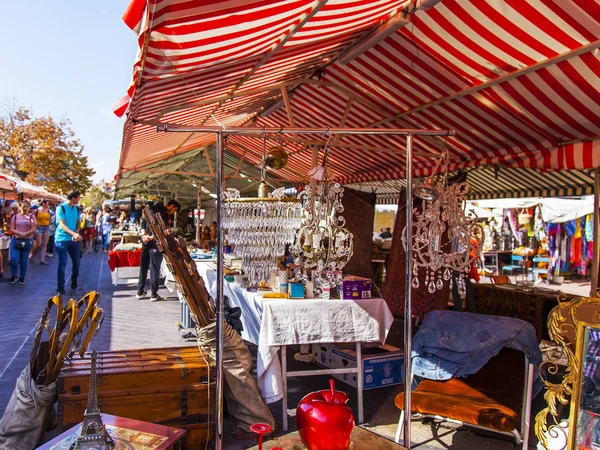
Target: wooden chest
(128, 433)
(169, 386)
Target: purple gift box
(356, 288)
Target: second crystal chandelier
(444, 235)
(323, 244)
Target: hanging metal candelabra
(445, 236)
(261, 227)
(322, 244)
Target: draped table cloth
(271, 323)
(124, 258)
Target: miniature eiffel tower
(93, 435)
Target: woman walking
(88, 228)
(106, 224)
(42, 231)
(23, 226)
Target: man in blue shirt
(67, 239)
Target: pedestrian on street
(106, 224)
(67, 239)
(22, 226)
(151, 257)
(51, 231)
(42, 216)
(89, 230)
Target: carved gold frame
(566, 326)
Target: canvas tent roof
(555, 210)
(27, 189)
(519, 81)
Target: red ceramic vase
(324, 420)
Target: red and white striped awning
(518, 80)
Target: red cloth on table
(124, 258)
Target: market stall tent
(29, 190)
(554, 210)
(518, 81)
(6, 184)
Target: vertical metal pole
(408, 299)
(594, 289)
(219, 300)
(176, 215)
(284, 377)
(198, 220)
(360, 382)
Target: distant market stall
(12, 187)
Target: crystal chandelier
(261, 227)
(323, 244)
(444, 235)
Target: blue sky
(70, 58)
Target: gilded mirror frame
(567, 324)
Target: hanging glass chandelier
(261, 227)
(322, 244)
(445, 237)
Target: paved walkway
(128, 322)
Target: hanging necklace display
(261, 227)
(444, 235)
(322, 244)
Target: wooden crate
(171, 386)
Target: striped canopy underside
(492, 183)
(519, 82)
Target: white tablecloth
(270, 323)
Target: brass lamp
(427, 190)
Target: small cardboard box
(296, 290)
(322, 354)
(382, 365)
(356, 288)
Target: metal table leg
(284, 404)
(359, 381)
(358, 370)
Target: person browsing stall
(68, 240)
(151, 257)
(42, 216)
(22, 225)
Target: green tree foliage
(95, 197)
(46, 152)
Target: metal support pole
(198, 220)
(284, 377)
(594, 288)
(360, 383)
(219, 300)
(176, 215)
(256, 131)
(408, 299)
